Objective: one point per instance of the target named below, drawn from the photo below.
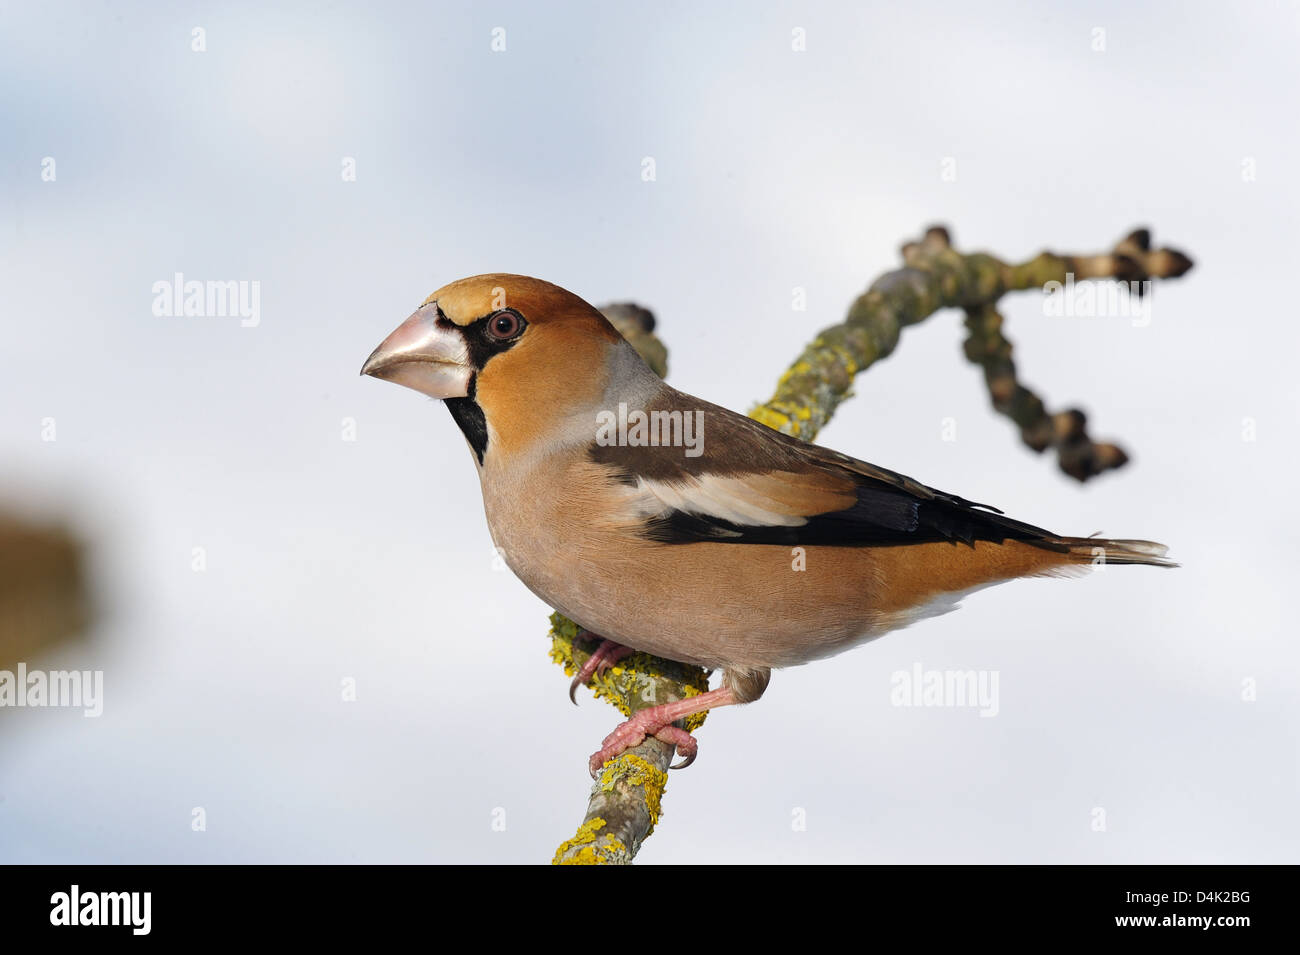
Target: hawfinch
(672, 526)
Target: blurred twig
(43, 595)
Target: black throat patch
(469, 418)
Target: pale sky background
(370, 559)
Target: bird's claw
(633, 732)
(604, 657)
(686, 745)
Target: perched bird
(667, 524)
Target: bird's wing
(746, 483)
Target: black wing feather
(883, 515)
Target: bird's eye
(505, 325)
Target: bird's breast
(575, 537)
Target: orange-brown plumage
(734, 547)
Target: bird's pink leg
(657, 721)
(606, 655)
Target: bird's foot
(657, 721)
(606, 655)
(632, 733)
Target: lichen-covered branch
(624, 804)
(626, 800)
(936, 276)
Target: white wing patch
(730, 499)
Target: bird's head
(507, 353)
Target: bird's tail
(920, 575)
(1103, 550)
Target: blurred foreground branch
(625, 802)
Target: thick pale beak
(421, 355)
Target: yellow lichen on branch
(583, 848)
